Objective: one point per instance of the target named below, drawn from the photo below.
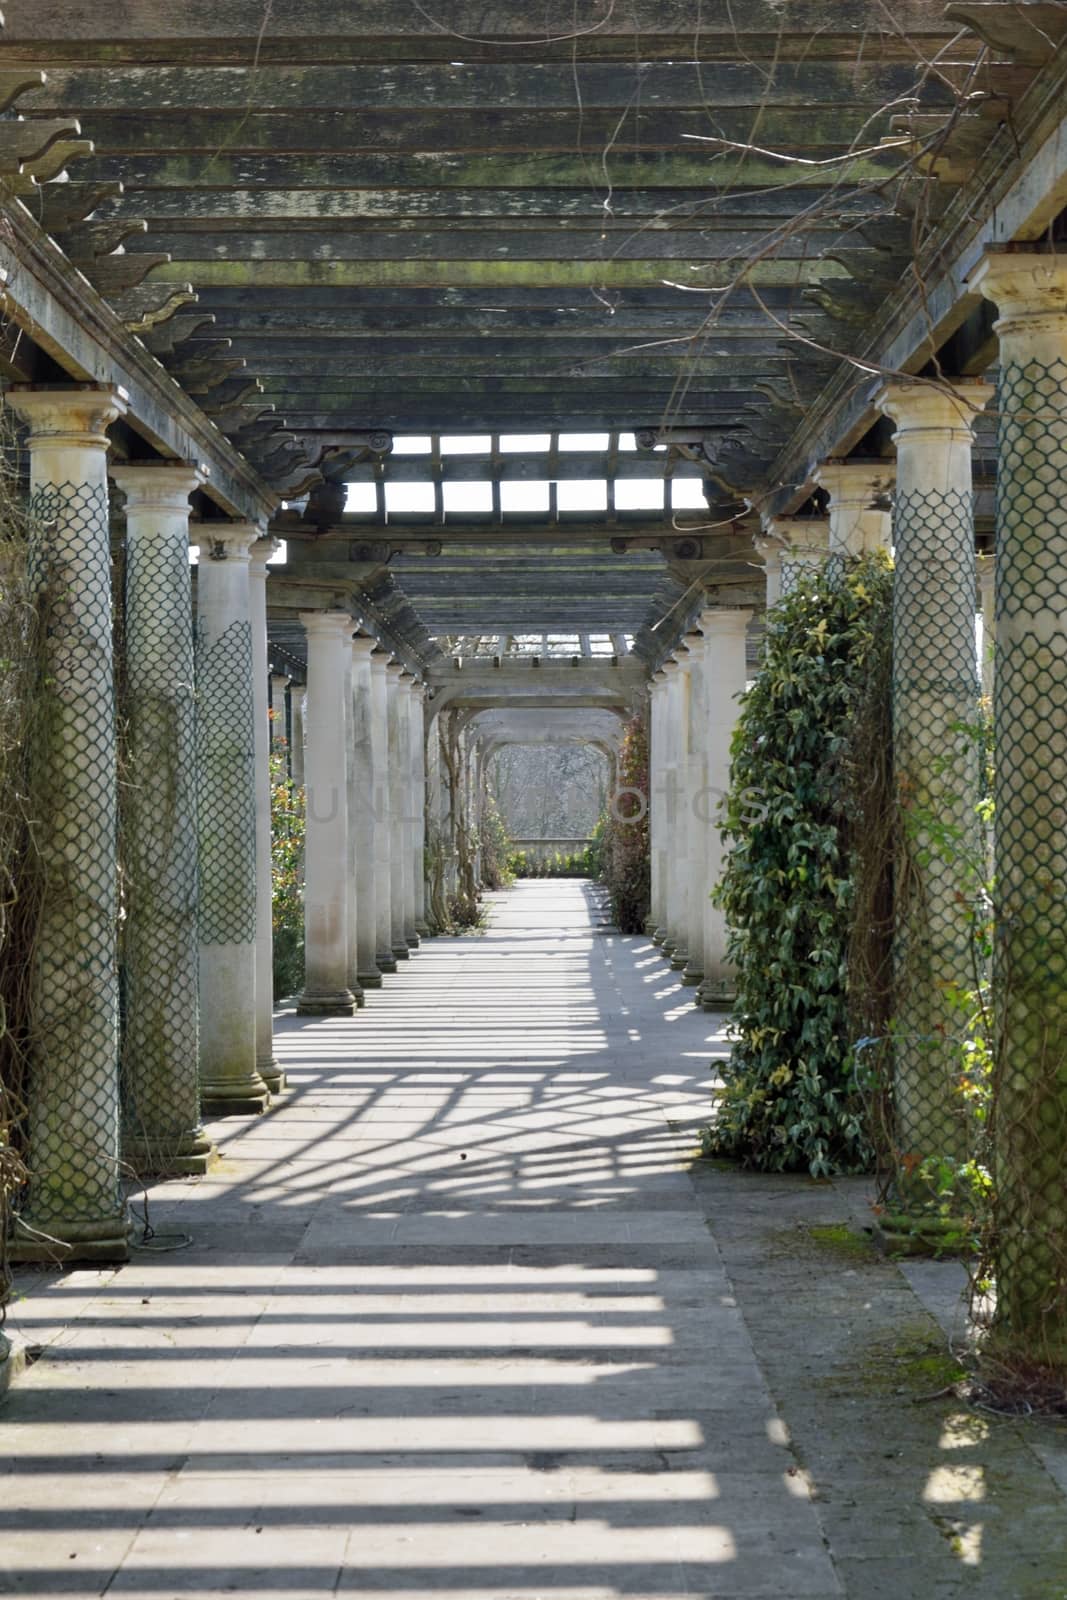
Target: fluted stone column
(1030, 716)
(352, 810)
(230, 1082)
(73, 1119)
(696, 825)
(326, 991)
(296, 745)
(407, 819)
(418, 791)
(384, 959)
(362, 822)
(267, 734)
(656, 841)
(935, 758)
(397, 938)
(161, 1129)
(279, 683)
(726, 672)
(861, 515)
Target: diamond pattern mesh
(73, 1120)
(1030, 964)
(160, 1091)
(226, 760)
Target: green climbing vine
(287, 820)
(809, 846)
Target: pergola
(538, 348)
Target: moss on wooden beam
(488, 274)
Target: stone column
(230, 1082)
(296, 746)
(695, 825)
(279, 683)
(1030, 717)
(362, 822)
(726, 674)
(860, 507)
(326, 991)
(676, 813)
(666, 801)
(407, 818)
(656, 843)
(384, 959)
(805, 546)
(771, 550)
(268, 733)
(351, 812)
(160, 1068)
(935, 758)
(397, 937)
(73, 1120)
(418, 791)
(986, 565)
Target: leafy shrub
(624, 842)
(287, 822)
(792, 1096)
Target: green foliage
(584, 863)
(625, 869)
(792, 1097)
(287, 821)
(495, 846)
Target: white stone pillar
(397, 797)
(161, 1132)
(362, 822)
(726, 674)
(351, 811)
(279, 682)
(935, 758)
(696, 828)
(407, 819)
(657, 733)
(73, 1120)
(384, 959)
(861, 514)
(230, 1083)
(676, 815)
(418, 791)
(296, 749)
(326, 991)
(268, 733)
(770, 548)
(1030, 717)
(986, 567)
(805, 546)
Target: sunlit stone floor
(457, 1319)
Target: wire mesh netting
(226, 795)
(73, 1116)
(940, 856)
(1030, 696)
(160, 1091)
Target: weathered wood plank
(289, 331)
(264, 89)
(595, 275)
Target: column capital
(854, 482)
(69, 416)
(263, 547)
(947, 408)
(224, 541)
(325, 624)
(798, 535)
(1029, 288)
(363, 647)
(394, 669)
(157, 486)
(725, 619)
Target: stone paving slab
(460, 1317)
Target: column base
(272, 1074)
(915, 1233)
(370, 980)
(715, 994)
(658, 936)
(357, 993)
(422, 930)
(412, 939)
(106, 1239)
(246, 1096)
(188, 1156)
(692, 974)
(679, 959)
(401, 952)
(324, 1003)
(385, 961)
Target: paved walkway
(458, 1319)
